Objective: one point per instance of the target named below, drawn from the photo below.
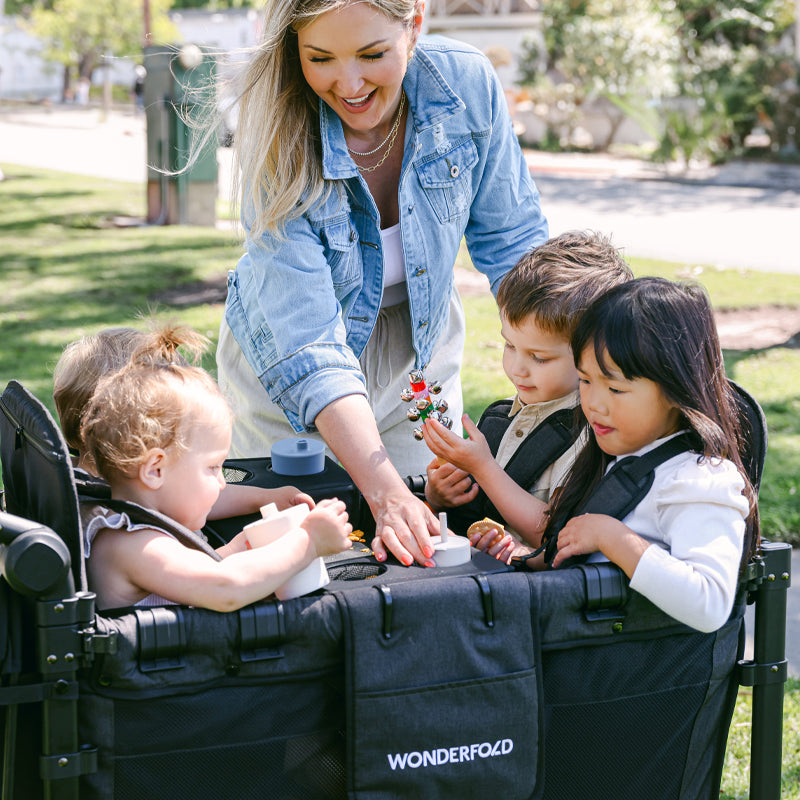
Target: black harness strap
(548, 441)
(146, 516)
(618, 492)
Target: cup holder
(355, 571)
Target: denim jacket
(302, 309)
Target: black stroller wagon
(391, 682)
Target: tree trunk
(66, 85)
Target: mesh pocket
(236, 474)
(605, 705)
(277, 740)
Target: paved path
(740, 216)
(736, 217)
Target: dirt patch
(197, 293)
(742, 329)
(759, 328)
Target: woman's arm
(403, 524)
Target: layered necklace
(390, 137)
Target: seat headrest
(37, 471)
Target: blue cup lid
(298, 456)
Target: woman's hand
(403, 526)
(403, 523)
(448, 486)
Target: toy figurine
(424, 405)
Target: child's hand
(590, 533)
(466, 454)
(328, 527)
(286, 496)
(587, 533)
(448, 486)
(238, 499)
(491, 539)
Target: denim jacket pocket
(340, 243)
(446, 177)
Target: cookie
(483, 526)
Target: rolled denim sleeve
(285, 313)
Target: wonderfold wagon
(391, 682)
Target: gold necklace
(390, 139)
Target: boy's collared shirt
(524, 418)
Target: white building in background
(23, 74)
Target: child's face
(194, 479)
(625, 415)
(537, 362)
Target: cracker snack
(483, 526)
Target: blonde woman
(367, 153)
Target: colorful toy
(424, 405)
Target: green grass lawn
(67, 271)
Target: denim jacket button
(353, 236)
(423, 323)
(454, 171)
(410, 208)
(419, 271)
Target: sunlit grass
(736, 773)
(67, 272)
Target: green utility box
(178, 84)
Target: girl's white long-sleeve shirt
(694, 516)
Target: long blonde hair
(277, 144)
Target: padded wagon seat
(40, 483)
(37, 471)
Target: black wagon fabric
(637, 681)
(214, 717)
(442, 689)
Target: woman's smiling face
(355, 58)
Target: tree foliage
(617, 52)
(214, 5)
(698, 75)
(737, 72)
(77, 33)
